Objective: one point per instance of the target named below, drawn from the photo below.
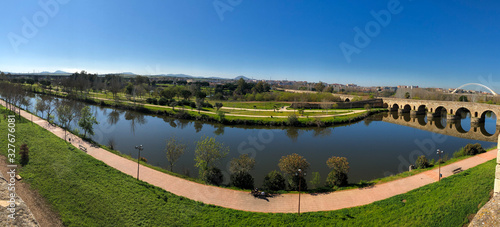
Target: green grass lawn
(86, 192)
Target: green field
(86, 192)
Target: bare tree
(174, 150)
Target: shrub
(473, 149)
(422, 162)
(274, 181)
(163, 101)
(242, 180)
(213, 176)
(336, 178)
(296, 180)
(24, 152)
(206, 105)
(151, 101)
(338, 175)
(293, 120)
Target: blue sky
(426, 43)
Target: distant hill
(244, 77)
(177, 75)
(61, 72)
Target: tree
(325, 105)
(463, 98)
(407, 95)
(41, 106)
(115, 85)
(87, 121)
(338, 175)
(174, 150)
(186, 94)
(293, 120)
(50, 106)
(218, 105)
(316, 179)
(173, 104)
(422, 162)
(290, 165)
(24, 152)
(208, 153)
(274, 181)
(319, 86)
(168, 93)
(66, 113)
(244, 163)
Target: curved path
(284, 109)
(286, 203)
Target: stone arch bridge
(453, 110)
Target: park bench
(457, 170)
(83, 148)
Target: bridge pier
(400, 111)
(433, 114)
(475, 121)
(452, 117)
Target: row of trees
(209, 152)
(67, 111)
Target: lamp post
(299, 174)
(139, 148)
(439, 152)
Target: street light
(300, 175)
(139, 148)
(439, 152)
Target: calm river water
(374, 147)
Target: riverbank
(322, 120)
(243, 201)
(85, 191)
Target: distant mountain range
(60, 72)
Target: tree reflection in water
(135, 118)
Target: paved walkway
(286, 203)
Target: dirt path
(41, 209)
(286, 203)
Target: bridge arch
(476, 84)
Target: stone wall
(374, 103)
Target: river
(378, 146)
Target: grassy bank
(261, 118)
(86, 192)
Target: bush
(206, 105)
(293, 120)
(163, 101)
(422, 162)
(294, 183)
(213, 176)
(274, 181)
(336, 178)
(473, 149)
(152, 101)
(242, 180)
(338, 175)
(24, 152)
